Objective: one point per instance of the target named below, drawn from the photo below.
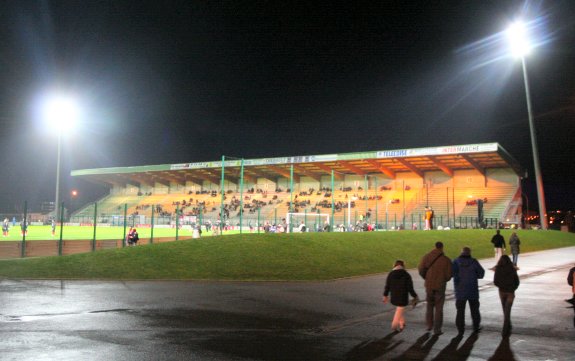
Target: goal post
(313, 222)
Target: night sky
(183, 81)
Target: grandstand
(390, 187)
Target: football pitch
(36, 233)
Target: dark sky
(182, 81)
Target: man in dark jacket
(499, 245)
(435, 268)
(466, 272)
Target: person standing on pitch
(466, 272)
(514, 243)
(498, 244)
(507, 281)
(435, 269)
(400, 285)
(5, 227)
(53, 225)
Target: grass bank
(309, 256)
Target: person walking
(435, 268)
(466, 272)
(514, 243)
(507, 281)
(400, 285)
(498, 244)
(572, 284)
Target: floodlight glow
(61, 113)
(518, 40)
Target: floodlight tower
(520, 47)
(60, 114)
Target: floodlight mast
(60, 113)
(520, 46)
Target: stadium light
(520, 46)
(60, 113)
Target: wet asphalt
(335, 320)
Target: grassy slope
(311, 256)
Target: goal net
(306, 222)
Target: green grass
(310, 256)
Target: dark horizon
(186, 82)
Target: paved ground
(338, 320)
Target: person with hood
(466, 272)
(514, 243)
(435, 269)
(507, 281)
(400, 285)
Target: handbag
(423, 271)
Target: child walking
(400, 285)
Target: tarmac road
(336, 320)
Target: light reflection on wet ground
(338, 320)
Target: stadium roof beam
(259, 174)
(474, 164)
(307, 173)
(217, 177)
(442, 166)
(325, 168)
(411, 167)
(143, 179)
(388, 172)
(249, 178)
(352, 168)
(209, 177)
(283, 172)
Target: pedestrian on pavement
(400, 285)
(507, 281)
(466, 272)
(499, 245)
(514, 243)
(435, 268)
(570, 282)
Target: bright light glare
(517, 35)
(60, 113)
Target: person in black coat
(572, 284)
(507, 281)
(400, 285)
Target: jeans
(434, 310)
(460, 317)
(506, 302)
(515, 258)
